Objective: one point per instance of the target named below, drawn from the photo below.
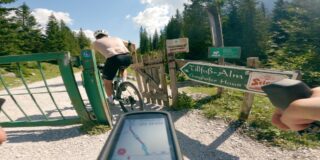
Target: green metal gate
(43, 116)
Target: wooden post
(173, 79)
(252, 62)
(136, 61)
(216, 33)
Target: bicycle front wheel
(129, 97)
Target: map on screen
(143, 139)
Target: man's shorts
(114, 63)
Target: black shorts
(114, 63)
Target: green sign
(227, 52)
(245, 79)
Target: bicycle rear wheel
(129, 97)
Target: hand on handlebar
(300, 113)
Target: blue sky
(121, 18)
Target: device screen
(144, 138)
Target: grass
(258, 125)
(200, 89)
(31, 74)
(93, 128)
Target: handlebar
(284, 92)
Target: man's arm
(129, 45)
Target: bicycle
(126, 93)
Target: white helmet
(98, 32)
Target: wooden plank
(151, 87)
(163, 82)
(136, 61)
(173, 80)
(147, 77)
(144, 79)
(155, 74)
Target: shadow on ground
(203, 151)
(44, 135)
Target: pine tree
(144, 41)
(299, 49)
(54, 41)
(279, 34)
(29, 34)
(196, 27)
(174, 27)
(232, 30)
(83, 40)
(155, 41)
(252, 32)
(8, 35)
(70, 41)
(162, 40)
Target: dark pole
(216, 32)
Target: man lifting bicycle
(117, 58)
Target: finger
(277, 122)
(316, 92)
(295, 124)
(298, 127)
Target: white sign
(258, 79)
(177, 45)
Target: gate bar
(46, 84)
(14, 100)
(32, 97)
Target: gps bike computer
(142, 136)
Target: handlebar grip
(284, 92)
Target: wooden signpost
(244, 79)
(175, 46)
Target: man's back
(110, 46)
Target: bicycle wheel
(129, 97)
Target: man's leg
(123, 74)
(108, 87)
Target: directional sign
(244, 79)
(227, 52)
(177, 45)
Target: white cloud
(157, 13)
(42, 16)
(173, 4)
(153, 18)
(88, 33)
(128, 16)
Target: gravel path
(199, 138)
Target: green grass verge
(31, 74)
(94, 128)
(258, 126)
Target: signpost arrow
(244, 79)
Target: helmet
(98, 32)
